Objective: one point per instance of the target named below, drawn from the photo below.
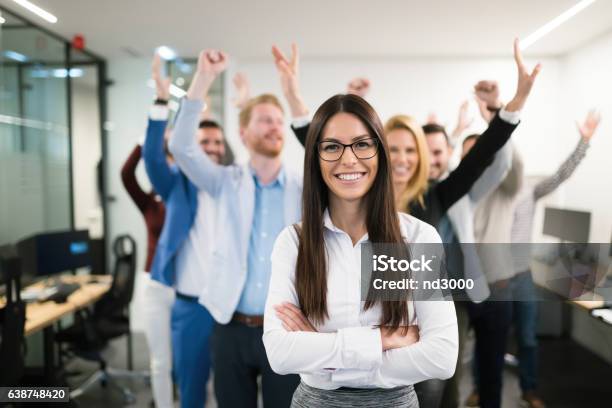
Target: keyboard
(61, 292)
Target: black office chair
(12, 320)
(109, 319)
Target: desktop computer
(51, 253)
(46, 255)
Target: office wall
(86, 152)
(585, 75)
(129, 99)
(419, 86)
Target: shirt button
(264, 234)
(259, 285)
(264, 211)
(262, 259)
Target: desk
(590, 332)
(541, 276)
(42, 316)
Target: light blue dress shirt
(268, 222)
(233, 189)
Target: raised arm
(288, 73)
(243, 90)
(463, 123)
(460, 181)
(587, 130)
(359, 86)
(191, 159)
(487, 97)
(128, 177)
(153, 151)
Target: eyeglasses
(362, 149)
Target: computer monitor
(53, 252)
(567, 225)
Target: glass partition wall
(51, 140)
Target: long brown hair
(382, 221)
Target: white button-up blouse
(347, 349)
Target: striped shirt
(524, 210)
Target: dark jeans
(491, 320)
(450, 396)
(429, 392)
(525, 317)
(238, 358)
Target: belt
(248, 320)
(186, 297)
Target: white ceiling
(322, 28)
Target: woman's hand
(162, 85)
(525, 80)
(397, 339)
(292, 318)
(588, 128)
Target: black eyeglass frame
(344, 146)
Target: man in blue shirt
(254, 202)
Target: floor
(571, 377)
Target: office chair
(12, 320)
(109, 319)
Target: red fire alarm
(78, 42)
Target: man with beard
(255, 202)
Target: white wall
(416, 87)
(586, 84)
(129, 100)
(86, 152)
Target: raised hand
(525, 82)
(210, 64)
(588, 128)
(358, 86)
(486, 114)
(162, 85)
(432, 119)
(397, 339)
(488, 92)
(292, 318)
(463, 121)
(243, 91)
(288, 71)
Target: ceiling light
(44, 14)
(554, 23)
(166, 52)
(15, 56)
(2, 20)
(63, 73)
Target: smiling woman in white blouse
(350, 352)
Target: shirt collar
(327, 223)
(280, 178)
